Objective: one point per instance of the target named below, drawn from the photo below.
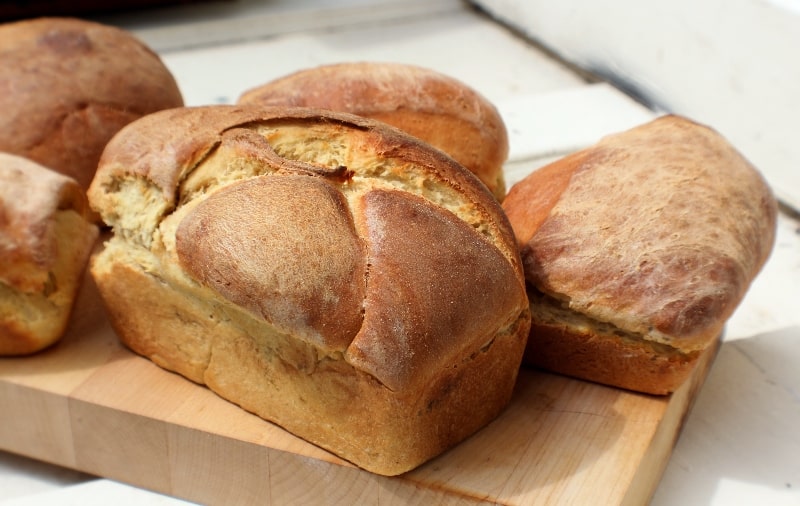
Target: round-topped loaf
(68, 85)
(439, 109)
(637, 250)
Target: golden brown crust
(657, 231)
(564, 341)
(535, 196)
(383, 431)
(68, 85)
(434, 107)
(45, 240)
(435, 290)
(607, 359)
(323, 270)
(273, 281)
(163, 158)
(31, 195)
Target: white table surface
(741, 441)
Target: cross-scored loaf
(327, 272)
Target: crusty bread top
(68, 85)
(434, 107)
(658, 230)
(341, 231)
(29, 196)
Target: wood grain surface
(90, 404)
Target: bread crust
(69, 85)
(657, 231)
(608, 360)
(45, 241)
(288, 259)
(436, 108)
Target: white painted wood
(732, 65)
(223, 22)
(740, 445)
(563, 121)
(463, 45)
(100, 492)
(23, 477)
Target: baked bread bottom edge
(321, 399)
(607, 359)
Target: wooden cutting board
(90, 404)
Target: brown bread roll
(436, 108)
(324, 271)
(45, 242)
(637, 250)
(68, 85)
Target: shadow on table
(745, 426)
(21, 476)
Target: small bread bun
(438, 109)
(69, 85)
(637, 250)
(325, 271)
(45, 242)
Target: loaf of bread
(436, 108)
(45, 242)
(327, 272)
(68, 85)
(637, 250)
